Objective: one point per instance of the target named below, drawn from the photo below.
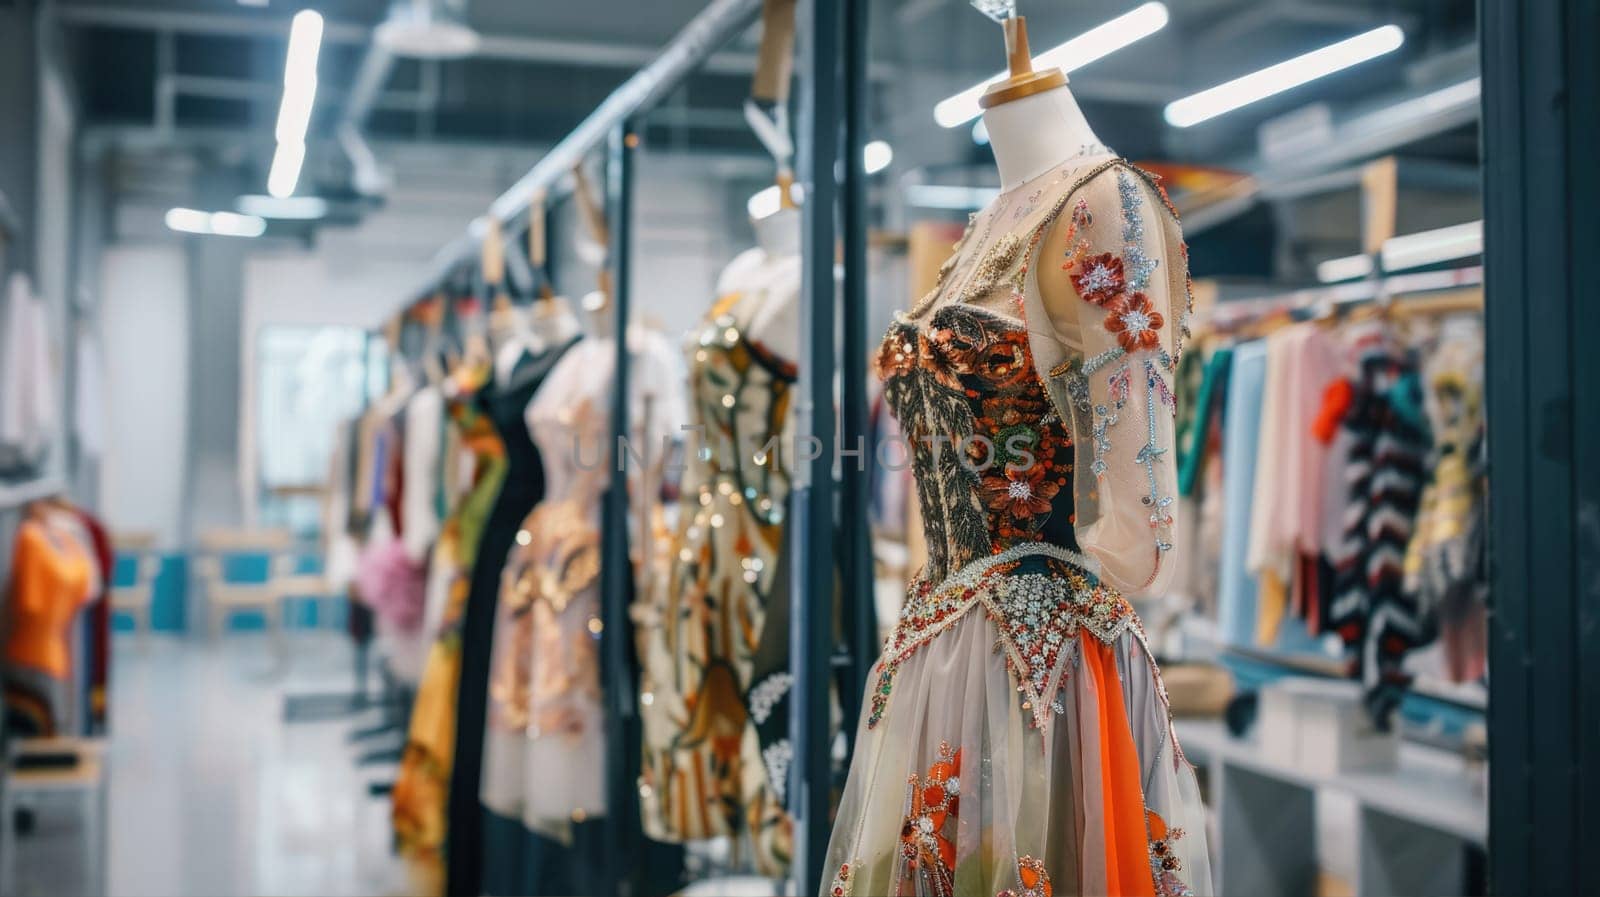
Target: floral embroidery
(1164, 862)
(1136, 325)
(965, 391)
(843, 880)
(1032, 879)
(1022, 492)
(1139, 265)
(931, 803)
(1101, 279)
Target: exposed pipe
(367, 176)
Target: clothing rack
(828, 531)
(1378, 290)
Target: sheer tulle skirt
(955, 790)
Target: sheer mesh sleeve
(1126, 283)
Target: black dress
(524, 485)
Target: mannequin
(778, 234)
(1033, 121)
(1033, 134)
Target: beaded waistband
(1038, 615)
(975, 570)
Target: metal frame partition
(829, 539)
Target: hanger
(769, 88)
(594, 218)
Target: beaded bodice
(992, 460)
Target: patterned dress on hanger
(714, 641)
(422, 785)
(1016, 738)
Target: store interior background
(228, 361)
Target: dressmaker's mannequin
(776, 324)
(778, 234)
(1033, 134)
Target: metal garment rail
(856, 577)
(719, 22)
(617, 668)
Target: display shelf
(15, 495)
(1414, 822)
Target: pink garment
(391, 583)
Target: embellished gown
(713, 642)
(1016, 738)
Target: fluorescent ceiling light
(1097, 42)
(1290, 73)
(300, 208)
(189, 221)
(876, 156)
(1431, 247)
(227, 224)
(285, 172)
(232, 224)
(1350, 267)
(980, 133)
(943, 196)
(299, 95)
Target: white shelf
(1414, 820)
(15, 495)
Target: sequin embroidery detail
(932, 803)
(1038, 612)
(1032, 880)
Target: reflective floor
(211, 792)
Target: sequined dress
(1016, 738)
(714, 639)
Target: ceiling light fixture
(285, 171)
(427, 29)
(298, 208)
(1418, 250)
(876, 156)
(1350, 267)
(299, 95)
(226, 224)
(1096, 43)
(1431, 247)
(1286, 75)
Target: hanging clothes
(505, 403)
(423, 782)
(1286, 513)
(53, 575)
(1387, 455)
(714, 641)
(29, 414)
(1237, 589)
(1446, 560)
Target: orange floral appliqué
(1136, 325)
(1032, 880)
(933, 801)
(1100, 279)
(1021, 493)
(1164, 862)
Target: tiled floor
(212, 793)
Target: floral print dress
(1016, 738)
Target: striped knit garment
(1371, 610)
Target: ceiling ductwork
(428, 29)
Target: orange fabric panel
(1127, 850)
(51, 575)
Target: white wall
(144, 329)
